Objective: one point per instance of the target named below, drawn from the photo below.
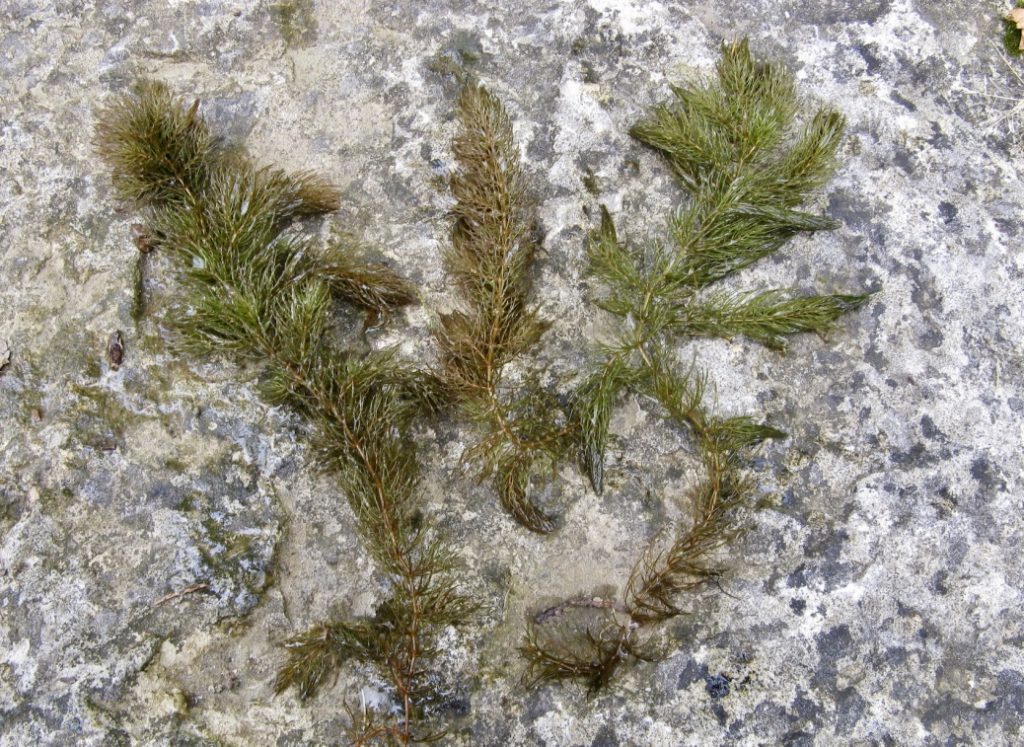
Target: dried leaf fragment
(143, 238)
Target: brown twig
(176, 594)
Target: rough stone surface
(877, 600)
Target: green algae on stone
(1012, 33)
(295, 22)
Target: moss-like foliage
(493, 245)
(1012, 33)
(257, 290)
(734, 148)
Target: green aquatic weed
(258, 291)
(734, 148)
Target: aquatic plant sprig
(733, 146)
(263, 294)
(493, 244)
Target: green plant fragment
(1012, 32)
(492, 249)
(734, 148)
(257, 290)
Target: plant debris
(115, 350)
(494, 241)
(1013, 24)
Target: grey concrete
(876, 600)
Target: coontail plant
(733, 147)
(492, 248)
(257, 290)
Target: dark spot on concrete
(605, 737)
(902, 160)
(983, 472)
(904, 611)
(874, 356)
(1008, 703)
(692, 672)
(905, 103)
(797, 605)
(895, 656)
(851, 209)
(916, 456)
(850, 707)
(931, 338)
(798, 739)
(948, 212)
(1009, 227)
(939, 583)
(798, 578)
(457, 705)
(789, 499)
(720, 713)
(538, 703)
(928, 429)
(164, 494)
(835, 643)
(541, 148)
(293, 738)
(938, 138)
(825, 547)
(947, 710)
(717, 685)
(867, 53)
(232, 117)
(804, 709)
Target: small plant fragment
(492, 249)
(257, 290)
(115, 350)
(1013, 23)
(143, 241)
(734, 148)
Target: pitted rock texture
(161, 530)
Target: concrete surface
(876, 601)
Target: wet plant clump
(256, 289)
(1012, 23)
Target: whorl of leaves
(492, 248)
(733, 146)
(259, 291)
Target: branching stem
(731, 147)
